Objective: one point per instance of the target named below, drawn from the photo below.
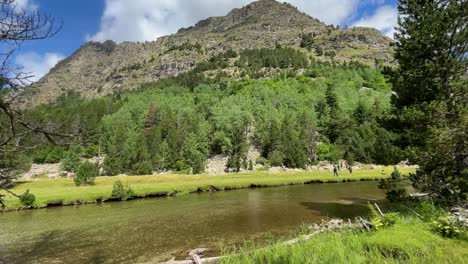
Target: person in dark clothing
(335, 171)
(350, 168)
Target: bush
(48, 154)
(396, 174)
(72, 161)
(122, 192)
(144, 168)
(27, 199)
(230, 54)
(428, 211)
(446, 228)
(86, 173)
(198, 164)
(276, 158)
(380, 221)
(261, 160)
(329, 152)
(181, 166)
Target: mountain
(98, 69)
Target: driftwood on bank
(196, 256)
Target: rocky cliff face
(98, 69)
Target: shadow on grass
(19, 182)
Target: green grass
(64, 190)
(408, 241)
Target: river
(154, 229)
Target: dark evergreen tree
(72, 158)
(238, 149)
(431, 87)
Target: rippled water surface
(154, 229)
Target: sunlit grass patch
(64, 191)
(402, 243)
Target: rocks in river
(461, 214)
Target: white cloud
(36, 64)
(25, 5)
(329, 11)
(140, 20)
(384, 19)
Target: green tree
(332, 99)
(195, 151)
(291, 145)
(430, 86)
(72, 158)
(86, 173)
(238, 149)
(137, 158)
(162, 160)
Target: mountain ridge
(97, 69)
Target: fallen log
(196, 253)
(191, 261)
(419, 195)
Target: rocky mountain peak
(98, 69)
(269, 13)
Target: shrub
(390, 219)
(181, 166)
(262, 160)
(329, 152)
(122, 192)
(72, 161)
(230, 54)
(27, 199)
(446, 228)
(276, 158)
(396, 174)
(48, 154)
(428, 211)
(395, 195)
(198, 164)
(144, 168)
(380, 221)
(54, 155)
(86, 173)
(91, 151)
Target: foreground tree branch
(17, 26)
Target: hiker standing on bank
(335, 170)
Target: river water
(155, 229)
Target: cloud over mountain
(141, 20)
(37, 65)
(384, 19)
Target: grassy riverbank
(64, 191)
(410, 240)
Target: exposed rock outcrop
(98, 69)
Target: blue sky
(142, 20)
